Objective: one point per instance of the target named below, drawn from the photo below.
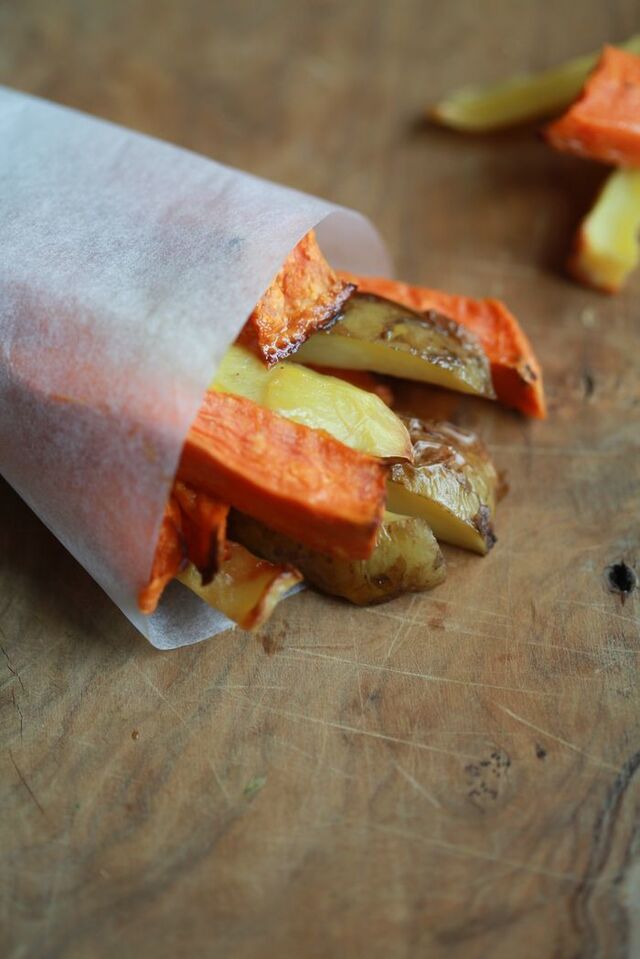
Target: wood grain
(450, 775)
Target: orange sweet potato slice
(204, 525)
(604, 122)
(515, 371)
(170, 558)
(305, 296)
(298, 481)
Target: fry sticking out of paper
(516, 373)
(305, 296)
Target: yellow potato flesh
(519, 98)
(406, 558)
(245, 588)
(355, 417)
(381, 336)
(607, 243)
(452, 485)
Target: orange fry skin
(604, 122)
(170, 557)
(204, 527)
(515, 371)
(305, 296)
(299, 481)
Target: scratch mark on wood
(18, 710)
(418, 786)
(426, 676)
(631, 620)
(557, 739)
(596, 652)
(491, 614)
(471, 853)
(312, 756)
(218, 778)
(158, 692)
(10, 665)
(346, 728)
(224, 686)
(450, 626)
(26, 784)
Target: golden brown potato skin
(406, 559)
(452, 484)
(375, 334)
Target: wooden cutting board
(450, 775)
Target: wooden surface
(450, 775)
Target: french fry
(170, 557)
(606, 246)
(305, 296)
(481, 109)
(204, 526)
(299, 481)
(515, 371)
(384, 336)
(452, 484)
(604, 122)
(362, 379)
(357, 418)
(406, 559)
(246, 589)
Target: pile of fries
(602, 123)
(297, 466)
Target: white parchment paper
(127, 267)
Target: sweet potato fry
(170, 557)
(606, 247)
(517, 99)
(604, 123)
(515, 371)
(204, 522)
(299, 481)
(305, 296)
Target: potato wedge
(407, 558)
(245, 588)
(515, 370)
(606, 248)
(357, 418)
(452, 484)
(520, 98)
(381, 336)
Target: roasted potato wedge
(519, 98)
(407, 558)
(606, 248)
(381, 336)
(452, 484)
(357, 418)
(245, 588)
